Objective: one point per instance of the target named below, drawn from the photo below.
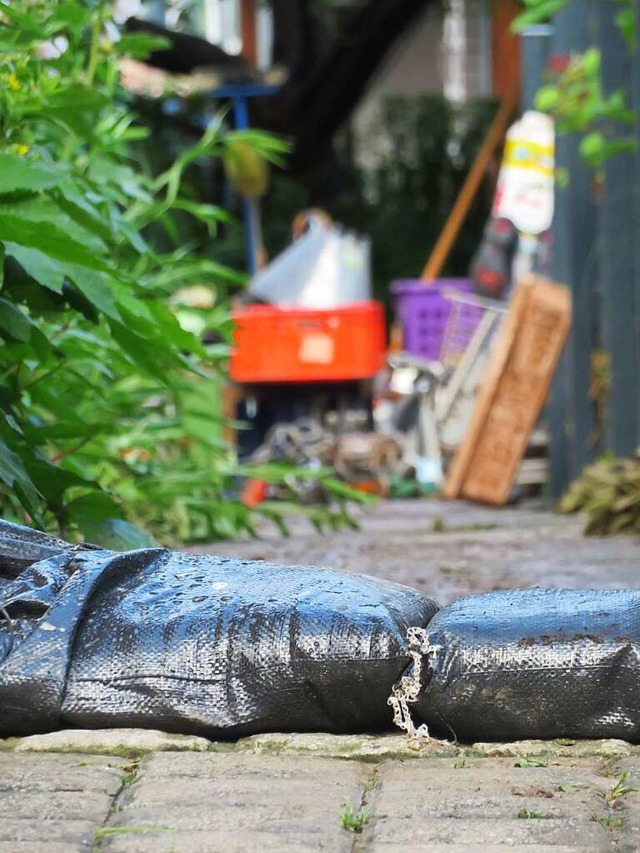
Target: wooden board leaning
(514, 390)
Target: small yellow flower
(22, 150)
(14, 83)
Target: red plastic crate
(304, 345)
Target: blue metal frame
(239, 96)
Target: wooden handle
(458, 214)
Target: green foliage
(608, 821)
(621, 789)
(575, 96)
(609, 493)
(541, 761)
(354, 821)
(530, 814)
(108, 397)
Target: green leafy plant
(352, 820)
(542, 761)
(609, 493)
(531, 814)
(110, 831)
(608, 821)
(371, 783)
(109, 399)
(575, 95)
(621, 789)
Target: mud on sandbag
(197, 644)
(534, 663)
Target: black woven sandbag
(210, 646)
(198, 644)
(536, 663)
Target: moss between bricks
(370, 748)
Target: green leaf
(156, 362)
(593, 147)
(46, 211)
(140, 45)
(626, 22)
(69, 14)
(542, 761)
(90, 511)
(13, 473)
(623, 145)
(19, 175)
(52, 480)
(42, 268)
(537, 14)
(28, 24)
(547, 99)
(74, 106)
(13, 321)
(50, 240)
(590, 61)
(96, 287)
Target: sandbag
(534, 663)
(197, 644)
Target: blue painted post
(571, 413)
(619, 308)
(635, 85)
(250, 206)
(535, 52)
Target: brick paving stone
(55, 802)
(238, 802)
(488, 802)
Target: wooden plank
(516, 384)
(532, 472)
(497, 362)
(539, 438)
(249, 30)
(505, 46)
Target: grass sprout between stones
(608, 821)
(528, 814)
(543, 761)
(621, 789)
(371, 783)
(107, 831)
(352, 820)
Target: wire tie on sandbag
(407, 690)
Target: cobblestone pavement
(133, 791)
(308, 792)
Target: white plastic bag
(324, 268)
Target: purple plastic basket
(423, 313)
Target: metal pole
(535, 52)
(251, 210)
